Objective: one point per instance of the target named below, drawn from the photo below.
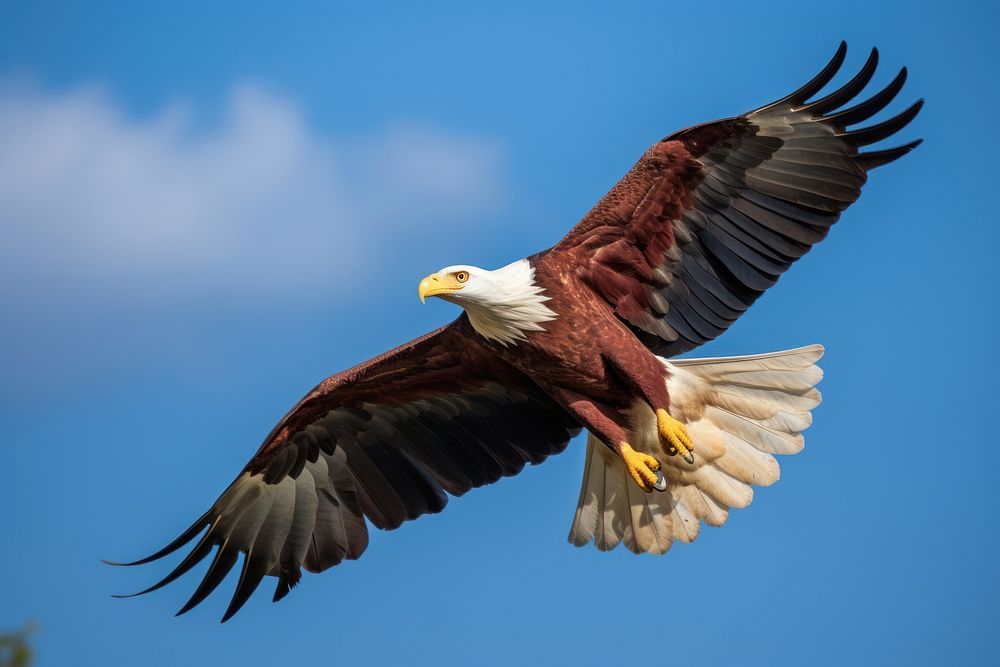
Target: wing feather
(712, 216)
(385, 442)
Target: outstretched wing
(383, 441)
(711, 216)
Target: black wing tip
(197, 597)
(229, 614)
(126, 596)
(815, 84)
(848, 91)
(188, 606)
(831, 102)
(825, 75)
(864, 110)
(141, 561)
(222, 564)
(839, 55)
(874, 159)
(176, 544)
(253, 572)
(875, 133)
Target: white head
(502, 305)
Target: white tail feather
(739, 411)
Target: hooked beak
(436, 283)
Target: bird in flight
(577, 337)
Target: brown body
(599, 278)
(587, 360)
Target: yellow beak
(436, 283)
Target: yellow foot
(674, 436)
(643, 468)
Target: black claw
(661, 482)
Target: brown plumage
(573, 337)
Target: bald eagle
(577, 336)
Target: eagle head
(502, 304)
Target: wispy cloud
(259, 203)
(115, 230)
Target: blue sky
(206, 210)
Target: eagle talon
(643, 468)
(661, 481)
(674, 437)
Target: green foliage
(15, 651)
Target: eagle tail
(739, 411)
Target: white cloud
(259, 203)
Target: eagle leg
(643, 373)
(643, 468)
(601, 420)
(674, 438)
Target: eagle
(580, 336)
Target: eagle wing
(711, 216)
(383, 441)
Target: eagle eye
(462, 276)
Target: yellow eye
(461, 276)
